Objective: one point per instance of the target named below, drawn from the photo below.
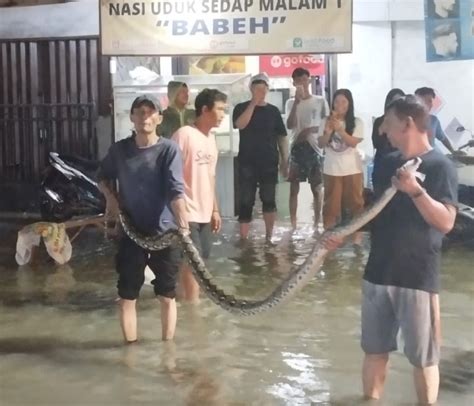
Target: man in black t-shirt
(263, 145)
(401, 280)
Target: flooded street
(60, 341)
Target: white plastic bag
(27, 239)
(55, 239)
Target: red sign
(284, 65)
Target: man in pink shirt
(199, 153)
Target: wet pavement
(60, 341)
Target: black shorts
(251, 178)
(201, 234)
(131, 261)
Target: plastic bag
(55, 239)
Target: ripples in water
(59, 330)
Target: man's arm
(447, 143)
(112, 206)
(283, 149)
(176, 186)
(291, 121)
(216, 221)
(106, 175)
(178, 206)
(437, 214)
(304, 134)
(440, 135)
(244, 118)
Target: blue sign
(449, 27)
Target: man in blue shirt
(427, 96)
(149, 172)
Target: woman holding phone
(339, 135)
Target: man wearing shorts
(149, 172)
(305, 114)
(199, 153)
(401, 280)
(262, 146)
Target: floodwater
(60, 342)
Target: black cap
(146, 100)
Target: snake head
(412, 164)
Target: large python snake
(291, 285)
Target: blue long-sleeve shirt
(436, 131)
(149, 179)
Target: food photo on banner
(449, 27)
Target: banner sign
(449, 26)
(223, 27)
(284, 65)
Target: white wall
(453, 80)
(367, 73)
(384, 58)
(387, 10)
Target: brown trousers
(342, 192)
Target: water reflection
(194, 384)
(59, 325)
(304, 376)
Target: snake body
(291, 285)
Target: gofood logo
(278, 61)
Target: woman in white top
(339, 135)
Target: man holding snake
(401, 280)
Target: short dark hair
(425, 91)
(411, 106)
(298, 72)
(174, 85)
(207, 97)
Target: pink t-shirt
(199, 153)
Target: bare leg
(294, 190)
(317, 203)
(374, 371)
(427, 384)
(168, 317)
(128, 319)
(269, 219)
(190, 288)
(244, 230)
